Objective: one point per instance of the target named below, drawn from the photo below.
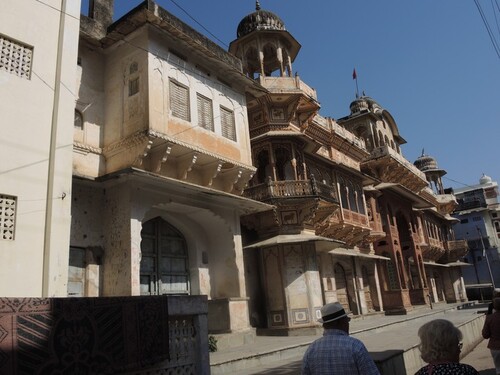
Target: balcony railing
(354, 218)
(462, 206)
(456, 250)
(292, 189)
(287, 84)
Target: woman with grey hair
(440, 346)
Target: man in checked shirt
(337, 352)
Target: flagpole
(355, 77)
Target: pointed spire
(257, 5)
(422, 152)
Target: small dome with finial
(426, 163)
(364, 103)
(485, 179)
(259, 20)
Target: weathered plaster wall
(87, 219)
(117, 259)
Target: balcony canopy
(322, 243)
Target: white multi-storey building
(479, 215)
(38, 51)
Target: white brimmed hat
(332, 311)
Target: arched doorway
(164, 261)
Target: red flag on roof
(354, 76)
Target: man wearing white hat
(337, 352)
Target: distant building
(479, 213)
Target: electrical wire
(58, 10)
(204, 28)
(495, 15)
(458, 182)
(488, 29)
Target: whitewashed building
(38, 51)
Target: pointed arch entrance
(164, 259)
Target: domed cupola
(365, 103)
(485, 179)
(359, 105)
(426, 163)
(429, 166)
(264, 45)
(259, 20)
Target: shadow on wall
(102, 335)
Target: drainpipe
(46, 271)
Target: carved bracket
(140, 158)
(185, 165)
(211, 171)
(243, 181)
(162, 157)
(231, 178)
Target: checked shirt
(338, 353)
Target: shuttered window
(227, 123)
(179, 100)
(205, 113)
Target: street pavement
(479, 358)
(379, 333)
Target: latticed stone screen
(15, 57)
(7, 217)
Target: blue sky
(430, 63)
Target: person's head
(440, 341)
(333, 316)
(496, 304)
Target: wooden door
(164, 261)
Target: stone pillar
(377, 285)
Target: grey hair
(439, 340)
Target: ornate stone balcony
(351, 227)
(454, 250)
(389, 166)
(287, 85)
(433, 250)
(172, 157)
